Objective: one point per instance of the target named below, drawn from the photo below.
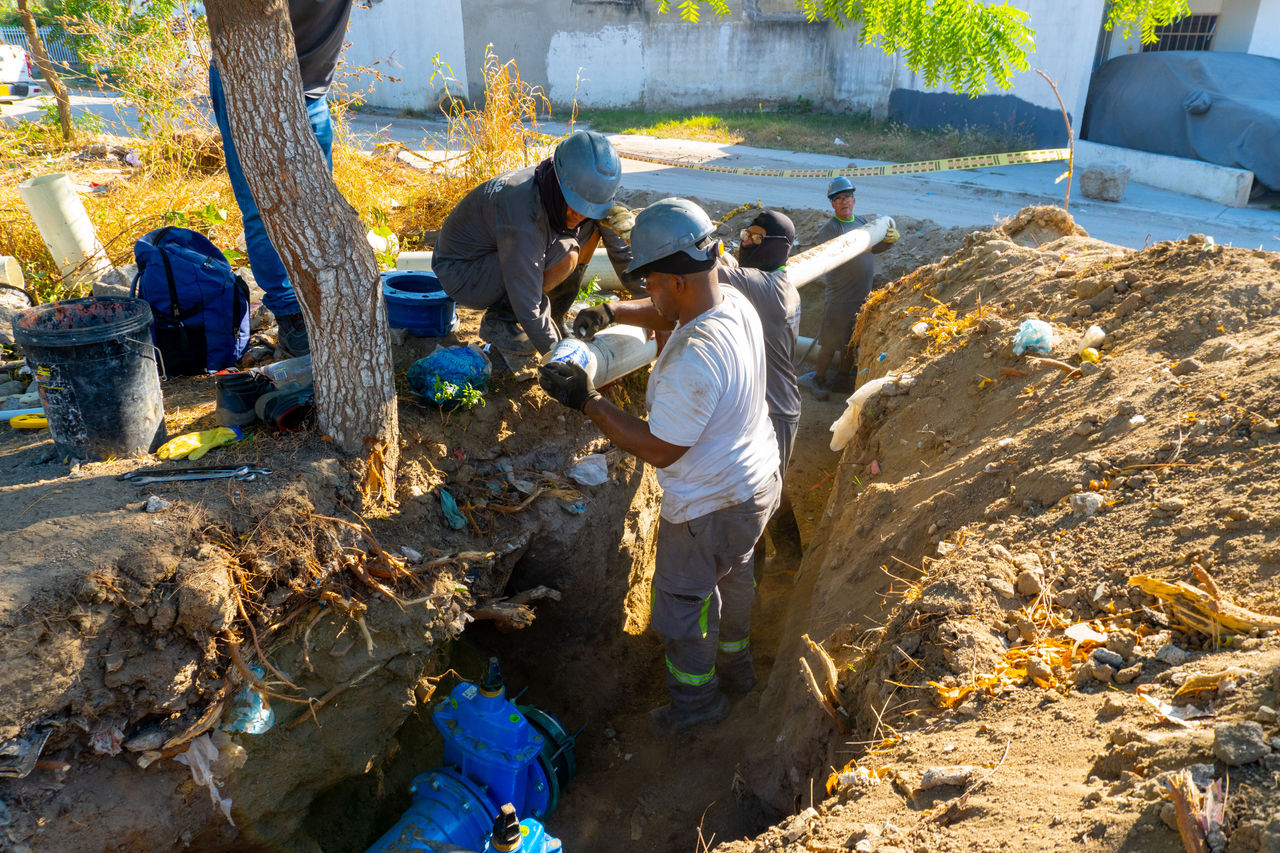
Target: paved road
(971, 198)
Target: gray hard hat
(839, 184)
(588, 170)
(669, 226)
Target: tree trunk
(46, 68)
(316, 231)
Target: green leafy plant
(460, 396)
(208, 216)
(963, 44)
(591, 294)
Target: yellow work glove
(891, 236)
(620, 220)
(193, 445)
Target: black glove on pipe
(568, 384)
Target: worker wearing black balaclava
(767, 241)
(761, 275)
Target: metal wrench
(243, 473)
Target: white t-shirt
(707, 393)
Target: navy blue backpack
(201, 308)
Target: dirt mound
(990, 501)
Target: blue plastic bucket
(417, 303)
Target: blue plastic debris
(1034, 336)
(450, 507)
(249, 713)
(578, 507)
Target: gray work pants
(702, 595)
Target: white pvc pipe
(69, 235)
(618, 350)
(414, 261)
(601, 266)
(823, 258)
(11, 272)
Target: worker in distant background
(518, 244)
(847, 288)
(319, 27)
(709, 435)
(760, 274)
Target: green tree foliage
(963, 44)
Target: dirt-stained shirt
(707, 393)
(504, 215)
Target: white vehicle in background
(17, 74)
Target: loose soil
(120, 625)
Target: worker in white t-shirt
(709, 434)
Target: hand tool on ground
(29, 422)
(243, 473)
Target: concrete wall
(622, 53)
(1266, 30)
(399, 38)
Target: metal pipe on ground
(618, 350)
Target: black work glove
(592, 319)
(568, 384)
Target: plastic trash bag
(1035, 337)
(200, 757)
(590, 470)
(451, 513)
(249, 712)
(846, 426)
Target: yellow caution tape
(948, 164)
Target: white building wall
(400, 38)
(1266, 30)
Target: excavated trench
(588, 661)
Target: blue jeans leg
(268, 269)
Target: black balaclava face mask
(772, 252)
(544, 176)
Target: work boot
(821, 390)
(737, 680)
(237, 394)
(784, 533)
(292, 339)
(669, 720)
(505, 335)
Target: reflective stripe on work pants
(702, 594)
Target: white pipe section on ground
(414, 261)
(65, 227)
(618, 350)
(11, 272)
(601, 266)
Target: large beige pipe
(617, 351)
(69, 235)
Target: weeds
(796, 126)
(501, 136)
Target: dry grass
(501, 136)
(181, 178)
(798, 128)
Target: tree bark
(316, 231)
(50, 75)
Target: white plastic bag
(590, 470)
(847, 424)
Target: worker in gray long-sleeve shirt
(847, 288)
(517, 244)
(760, 274)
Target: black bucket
(96, 371)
